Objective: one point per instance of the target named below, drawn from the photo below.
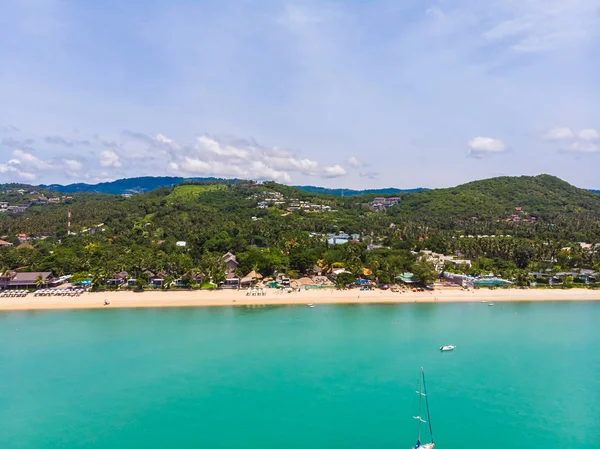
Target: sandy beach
(239, 298)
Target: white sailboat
(423, 395)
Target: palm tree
(98, 278)
(4, 271)
(40, 281)
(168, 282)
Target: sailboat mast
(427, 405)
(420, 405)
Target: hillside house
(382, 203)
(5, 243)
(230, 261)
(18, 209)
(232, 280)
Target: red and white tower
(69, 221)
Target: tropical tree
(168, 282)
(40, 281)
(424, 272)
(99, 276)
(141, 281)
(344, 279)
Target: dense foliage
(140, 233)
(543, 196)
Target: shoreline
(156, 299)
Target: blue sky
(356, 93)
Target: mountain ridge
(145, 184)
(148, 183)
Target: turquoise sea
(523, 375)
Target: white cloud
(253, 170)
(582, 146)
(29, 161)
(26, 166)
(163, 139)
(5, 168)
(26, 176)
(72, 165)
(335, 171)
(354, 162)
(306, 166)
(205, 143)
(18, 174)
(559, 133)
(582, 142)
(165, 143)
(109, 158)
(156, 154)
(480, 146)
(213, 168)
(262, 171)
(234, 157)
(589, 134)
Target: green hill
(543, 196)
(273, 227)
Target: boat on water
(423, 398)
(310, 305)
(491, 304)
(447, 348)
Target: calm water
(522, 376)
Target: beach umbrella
(254, 275)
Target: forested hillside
(543, 196)
(504, 225)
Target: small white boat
(310, 305)
(447, 348)
(491, 304)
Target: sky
(356, 94)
